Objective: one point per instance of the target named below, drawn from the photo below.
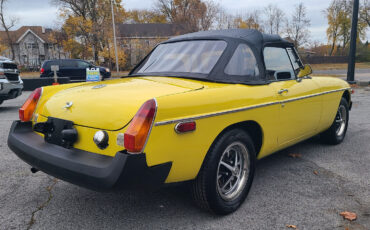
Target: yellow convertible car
(201, 108)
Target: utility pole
(352, 52)
(114, 36)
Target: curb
(363, 83)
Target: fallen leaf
(295, 155)
(291, 226)
(349, 215)
(316, 172)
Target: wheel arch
(252, 128)
(346, 95)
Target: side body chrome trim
(244, 108)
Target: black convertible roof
(253, 38)
(250, 35)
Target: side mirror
(305, 71)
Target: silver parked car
(11, 84)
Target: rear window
(184, 57)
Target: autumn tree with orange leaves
(88, 28)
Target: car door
(300, 109)
(70, 69)
(82, 66)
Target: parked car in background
(201, 108)
(75, 69)
(11, 84)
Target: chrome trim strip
(214, 114)
(244, 108)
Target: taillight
(42, 70)
(137, 133)
(27, 109)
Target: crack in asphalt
(43, 205)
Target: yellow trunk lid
(110, 105)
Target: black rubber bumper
(86, 169)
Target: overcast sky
(44, 13)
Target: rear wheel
(227, 173)
(337, 131)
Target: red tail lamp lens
(185, 127)
(137, 133)
(27, 109)
(42, 70)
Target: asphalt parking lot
(308, 191)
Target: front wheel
(227, 173)
(337, 131)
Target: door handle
(283, 91)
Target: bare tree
(333, 14)
(194, 15)
(223, 20)
(297, 26)
(210, 15)
(6, 25)
(365, 12)
(274, 18)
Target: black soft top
(253, 38)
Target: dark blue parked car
(75, 69)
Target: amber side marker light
(27, 109)
(138, 131)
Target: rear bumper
(86, 169)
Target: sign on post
(92, 74)
(55, 68)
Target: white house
(32, 45)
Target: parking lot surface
(308, 190)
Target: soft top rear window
(198, 56)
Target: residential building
(139, 39)
(32, 45)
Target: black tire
(336, 133)
(206, 188)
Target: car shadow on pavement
(130, 208)
(8, 108)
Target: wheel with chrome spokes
(341, 120)
(232, 171)
(226, 174)
(337, 131)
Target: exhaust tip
(34, 170)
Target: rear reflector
(185, 127)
